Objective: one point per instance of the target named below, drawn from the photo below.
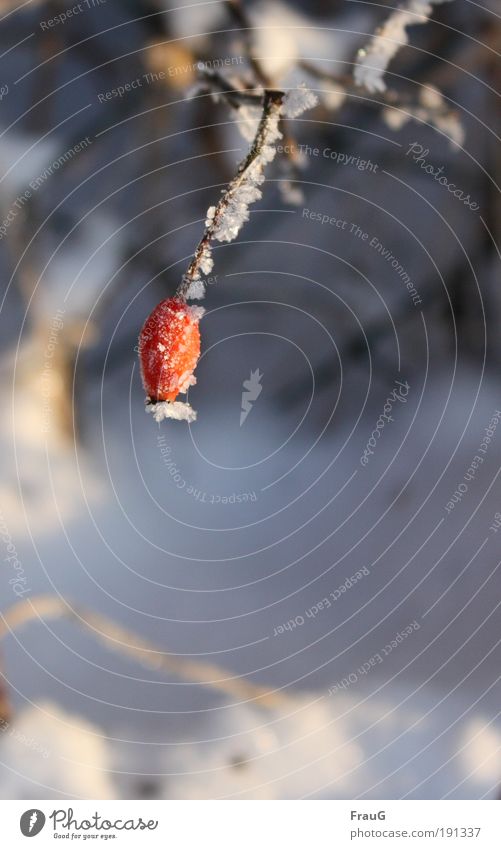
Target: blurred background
(302, 601)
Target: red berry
(169, 348)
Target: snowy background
(164, 628)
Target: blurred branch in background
(126, 643)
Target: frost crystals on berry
(171, 410)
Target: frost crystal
(196, 290)
(171, 410)
(373, 60)
(210, 215)
(297, 101)
(206, 261)
(196, 313)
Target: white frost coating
(297, 101)
(171, 410)
(236, 212)
(196, 290)
(196, 313)
(373, 59)
(206, 261)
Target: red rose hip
(169, 349)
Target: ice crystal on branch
(196, 290)
(297, 101)
(373, 60)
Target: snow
(401, 740)
(373, 60)
(191, 20)
(236, 211)
(49, 753)
(36, 435)
(310, 746)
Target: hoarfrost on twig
(373, 59)
(224, 221)
(297, 101)
(196, 290)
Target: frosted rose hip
(169, 349)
